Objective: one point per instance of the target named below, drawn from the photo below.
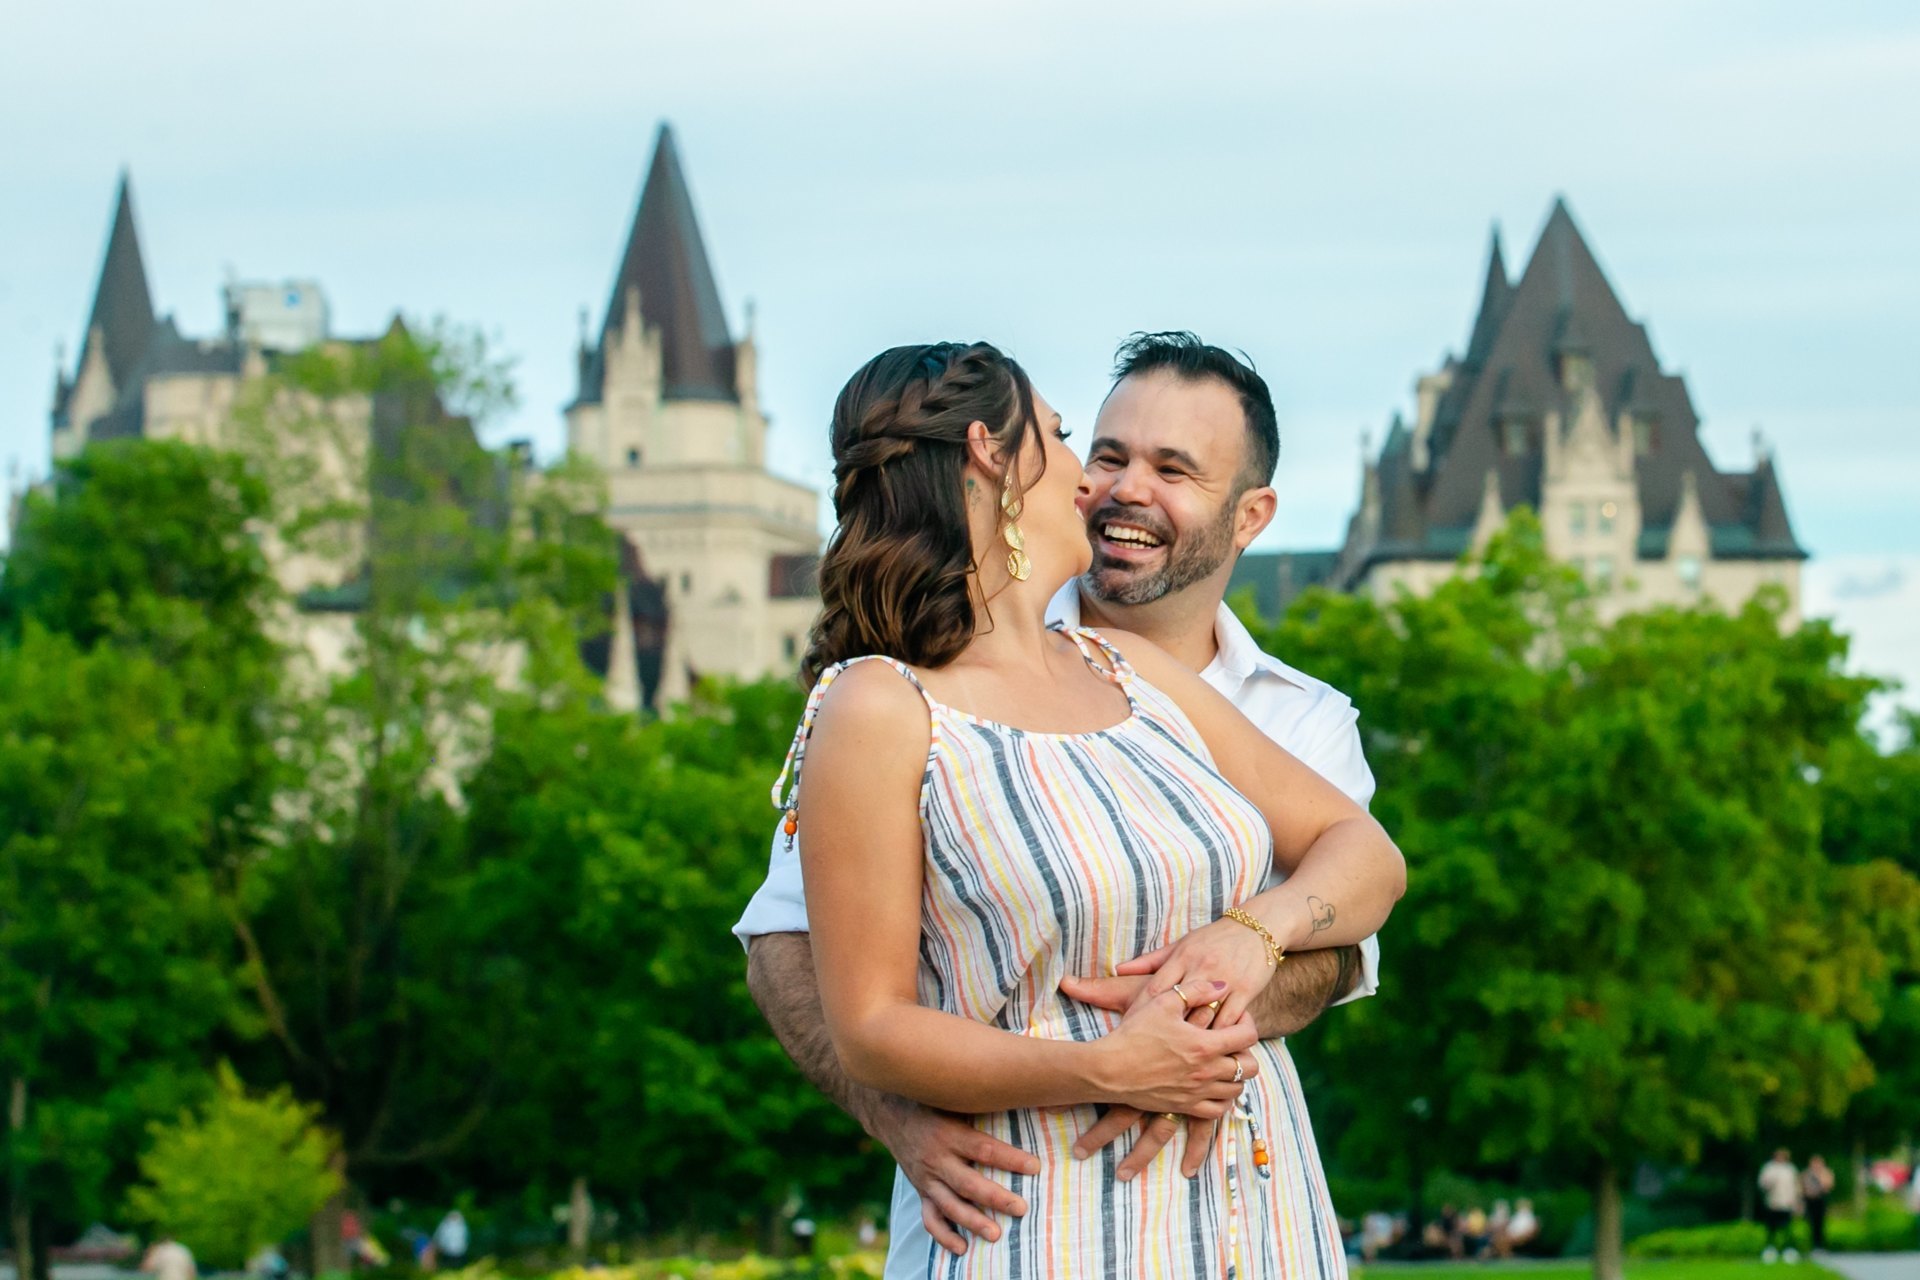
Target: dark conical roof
(1563, 304)
(122, 315)
(1494, 295)
(1767, 514)
(667, 261)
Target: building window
(1603, 571)
(686, 584)
(1513, 433)
(633, 457)
(1608, 511)
(1690, 572)
(1577, 519)
(1643, 436)
(790, 646)
(1579, 564)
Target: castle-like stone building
(718, 553)
(1558, 403)
(667, 409)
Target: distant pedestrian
(1474, 1229)
(1522, 1229)
(1816, 1184)
(1378, 1232)
(1780, 1197)
(450, 1240)
(168, 1259)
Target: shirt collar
(1239, 657)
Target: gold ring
(1214, 1005)
(1171, 1115)
(1239, 1069)
(1183, 996)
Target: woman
(985, 805)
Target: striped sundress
(1049, 854)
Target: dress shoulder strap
(786, 796)
(1101, 655)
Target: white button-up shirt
(1308, 717)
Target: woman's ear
(983, 452)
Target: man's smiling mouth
(1129, 535)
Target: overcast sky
(1312, 182)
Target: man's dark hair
(1194, 361)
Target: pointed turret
(122, 318)
(1766, 513)
(665, 263)
(1494, 296)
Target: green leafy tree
(136, 685)
(610, 858)
(1871, 814)
(148, 544)
(1621, 938)
(240, 1173)
(113, 972)
(461, 585)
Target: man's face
(1163, 469)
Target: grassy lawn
(1637, 1269)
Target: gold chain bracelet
(1275, 953)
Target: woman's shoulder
(871, 699)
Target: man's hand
(937, 1151)
(942, 1156)
(1301, 989)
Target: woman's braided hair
(893, 579)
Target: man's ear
(1255, 510)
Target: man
(168, 1259)
(1780, 1198)
(1180, 470)
(450, 1241)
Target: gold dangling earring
(1011, 506)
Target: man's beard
(1189, 559)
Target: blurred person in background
(1521, 1230)
(1816, 1184)
(168, 1259)
(1474, 1229)
(1779, 1184)
(450, 1241)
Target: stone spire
(1494, 296)
(121, 322)
(665, 263)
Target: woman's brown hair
(893, 579)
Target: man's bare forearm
(1303, 987)
(781, 978)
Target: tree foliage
(113, 981)
(241, 1172)
(1621, 938)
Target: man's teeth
(1129, 535)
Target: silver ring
(1239, 1069)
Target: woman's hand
(1157, 1060)
(1221, 952)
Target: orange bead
(792, 824)
(1261, 1158)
